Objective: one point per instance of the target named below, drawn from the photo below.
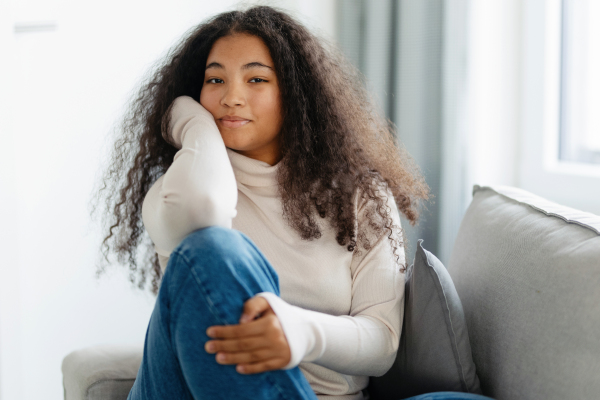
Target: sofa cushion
(101, 372)
(528, 271)
(434, 352)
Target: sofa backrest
(528, 274)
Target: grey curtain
(398, 46)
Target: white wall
(63, 88)
(9, 271)
(481, 105)
(512, 92)
(572, 184)
(493, 91)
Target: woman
(253, 124)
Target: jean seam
(200, 286)
(170, 346)
(269, 269)
(214, 310)
(276, 385)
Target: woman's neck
(251, 171)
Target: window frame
(541, 171)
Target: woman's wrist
(302, 336)
(187, 119)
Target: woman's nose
(234, 95)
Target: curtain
(398, 46)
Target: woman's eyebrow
(251, 65)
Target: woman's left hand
(255, 345)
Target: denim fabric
(208, 278)
(449, 396)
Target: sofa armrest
(101, 372)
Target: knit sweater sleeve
(199, 188)
(365, 342)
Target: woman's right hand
(183, 111)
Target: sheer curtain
(401, 47)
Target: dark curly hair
(332, 132)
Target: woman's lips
(234, 123)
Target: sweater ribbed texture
(341, 312)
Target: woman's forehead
(240, 51)
(247, 66)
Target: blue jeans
(209, 277)
(449, 396)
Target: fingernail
(210, 347)
(245, 318)
(210, 332)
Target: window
(580, 82)
(554, 89)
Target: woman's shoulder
(375, 193)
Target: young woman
(268, 185)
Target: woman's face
(242, 93)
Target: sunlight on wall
(72, 67)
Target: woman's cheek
(204, 102)
(266, 104)
(208, 100)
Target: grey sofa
(528, 274)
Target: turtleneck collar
(252, 172)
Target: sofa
(527, 272)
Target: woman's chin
(239, 150)
(236, 147)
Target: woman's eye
(212, 79)
(253, 79)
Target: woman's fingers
(256, 356)
(254, 362)
(255, 345)
(252, 328)
(269, 365)
(253, 308)
(264, 332)
(236, 346)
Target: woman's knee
(218, 246)
(228, 254)
(210, 241)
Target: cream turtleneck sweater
(341, 312)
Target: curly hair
(332, 131)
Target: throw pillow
(434, 353)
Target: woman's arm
(366, 341)
(199, 188)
